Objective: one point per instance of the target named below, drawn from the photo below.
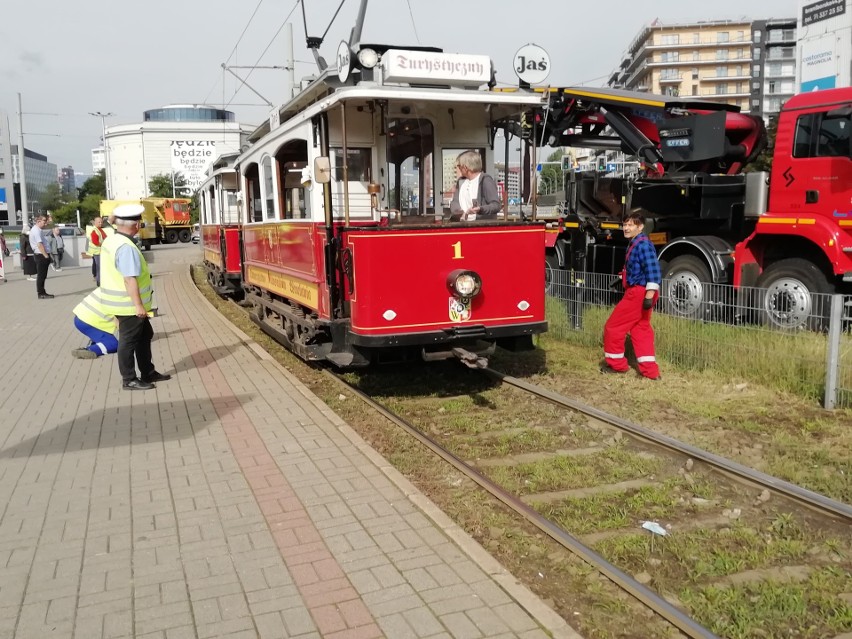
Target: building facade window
(757, 36)
(722, 36)
(721, 72)
(721, 54)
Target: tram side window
(269, 188)
(255, 210)
(229, 207)
(213, 217)
(818, 135)
(294, 200)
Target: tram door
(410, 149)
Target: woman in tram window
(476, 195)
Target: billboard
(819, 63)
(822, 10)
(190, 158)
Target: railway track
(681, 487)
(792, 501)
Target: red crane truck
(788, 231)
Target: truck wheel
(171, 236)
(684, 287)
(796, 295)
(551, 274)
(184, 235)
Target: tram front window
(410, 165)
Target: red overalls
(629, 317)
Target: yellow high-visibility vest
(91, 310)
(95, 250)
(116, 299)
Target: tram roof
(327, 91)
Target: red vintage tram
(221, 232)
(348, 251)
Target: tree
(95, 184)
(550, 179)
(52, 198)
(90, 208)
(160, 185)
(764, 160)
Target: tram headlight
(464, 284)
(368, 58)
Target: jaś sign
(823, 10)
(190, 158)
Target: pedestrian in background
(96, 239)
(3, 246)
(27, 261)
(39, 245)
(93, 320)
(57, 248)
(641, 278)
(127, 288)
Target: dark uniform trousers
(134, 343)
(42, 264)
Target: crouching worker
(99, 326)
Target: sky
(69, 59)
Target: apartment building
(720, 61)
(774, 68)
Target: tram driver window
(358, 174)
(410, 151)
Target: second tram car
(348, 251)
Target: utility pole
(103, 117)
(25, 209)
(290, 65)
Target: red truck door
(815, 178)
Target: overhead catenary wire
(263, 53)
(413, 23)
(248, 24)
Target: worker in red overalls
(641, 278)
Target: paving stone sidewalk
(228, 502)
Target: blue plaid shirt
(643, 267)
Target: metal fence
(798, 344)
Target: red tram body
(347, 249)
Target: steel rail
(645, 595)
(803, 496)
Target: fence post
(832, 352)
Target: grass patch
(786, 361)
(620, 510)
(706, 553)
(776, 610)
(611, 465)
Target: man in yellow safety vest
(96, 323)
(126, 290)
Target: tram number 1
(457, 251)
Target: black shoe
(45, 296)
(137, 384)
(608, 370)
(156, 377)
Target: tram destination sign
(822, 10)
(436, 68)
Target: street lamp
(103, 117)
